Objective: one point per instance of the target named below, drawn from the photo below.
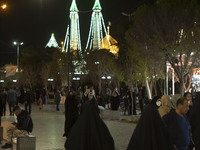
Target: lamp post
(127, 15)
(18, 44)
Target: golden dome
(110, 44)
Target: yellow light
(4, 6)
(62, 42)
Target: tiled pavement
(49, 128)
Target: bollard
(26, 143)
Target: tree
(99, 63)
(32, 64)
(171, 29)
(58, 68)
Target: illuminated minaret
(73, 41)
(52, 42)
(97, 27)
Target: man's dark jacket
(171, 121)
(24, 121)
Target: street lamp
(127, 15)
(18, 44)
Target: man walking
(178, 125)
(18, 93)
(57, 98)
(11, 98)
(29, 99)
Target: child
(40, 102)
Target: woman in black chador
(89, 132)
(195, 121)
(150, 133)
(115, 100)
(71, 112)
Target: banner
(10, 70)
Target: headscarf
(166, 105)
(154, 100)
(174, 100)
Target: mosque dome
(110, 44)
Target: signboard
(11, 70)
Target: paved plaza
(49, 128)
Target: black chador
(89, 132)
(71, 112)
(195, 121)
(150, 133)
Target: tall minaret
(73, 41)
(97, 27)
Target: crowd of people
(166, 123)
(14, 96)
(84, 129)
(126, 98)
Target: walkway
(49, 128)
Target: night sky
(33, 21)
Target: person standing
(12, 98)
(85, 92)
(174, 100)
(115, 100)
(71, 112)
(79, 97)
(40, 102)
(166, 105)
(29, 99)
(100, 101)
(195, 121)
(126, 104)
(18, 95)
(188, 95)
(89, 132)
(132, 100)
(22, 99)
(57, 99)
(141, 97)
(3, 99)
(150, 132)
(1, 107)
(44, 94)
(178, 125)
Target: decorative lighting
(75, 40)
(52, 42)
(14, 81)
(4, 6)
(50, 80)
(109, 77)
(103, 77)
(97, 26)
(76, 78)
